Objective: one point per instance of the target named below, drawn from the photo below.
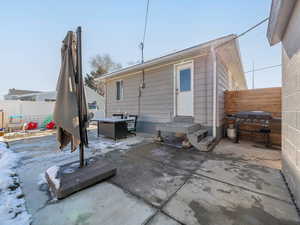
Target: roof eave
(240, 64)
(231, 55)
(280, 14)
(163, 59)
(242, 75)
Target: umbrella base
(69, 178)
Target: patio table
(112, 127)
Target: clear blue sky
(32, 31)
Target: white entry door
(184, 90)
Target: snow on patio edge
(100, 146)
(12, 207)
(105, 145)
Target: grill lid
(254, 115)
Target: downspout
(214, 58)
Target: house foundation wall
(150, 127)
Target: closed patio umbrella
(70, 112)
(70, 115)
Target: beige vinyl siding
(157, 96)
(223, 85)
(130, 96)
(203, 96)
(156, 103)
(203, 90)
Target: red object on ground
(50, 125)
(32, 126)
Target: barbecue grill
(260, 118)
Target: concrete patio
(160, 185)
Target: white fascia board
(281, 11)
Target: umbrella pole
(79, 73)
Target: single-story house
(284, 27)
(187, 83)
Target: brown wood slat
(263, 99)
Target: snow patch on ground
(105, 145)
(12, 207)
(99, 146)
(42, 179)
(52, 173)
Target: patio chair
(131, 125)
(118, 115)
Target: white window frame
(121, 91)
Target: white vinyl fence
(27, 110)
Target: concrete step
(178, 127)
(201, 141)
(197, 136)
(184, 119)
(206, 144)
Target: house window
(185, 80)
(119, 87)
(92, 105)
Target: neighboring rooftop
(27, 95)
(14, 91)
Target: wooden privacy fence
(264, 99)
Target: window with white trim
(119, 90)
